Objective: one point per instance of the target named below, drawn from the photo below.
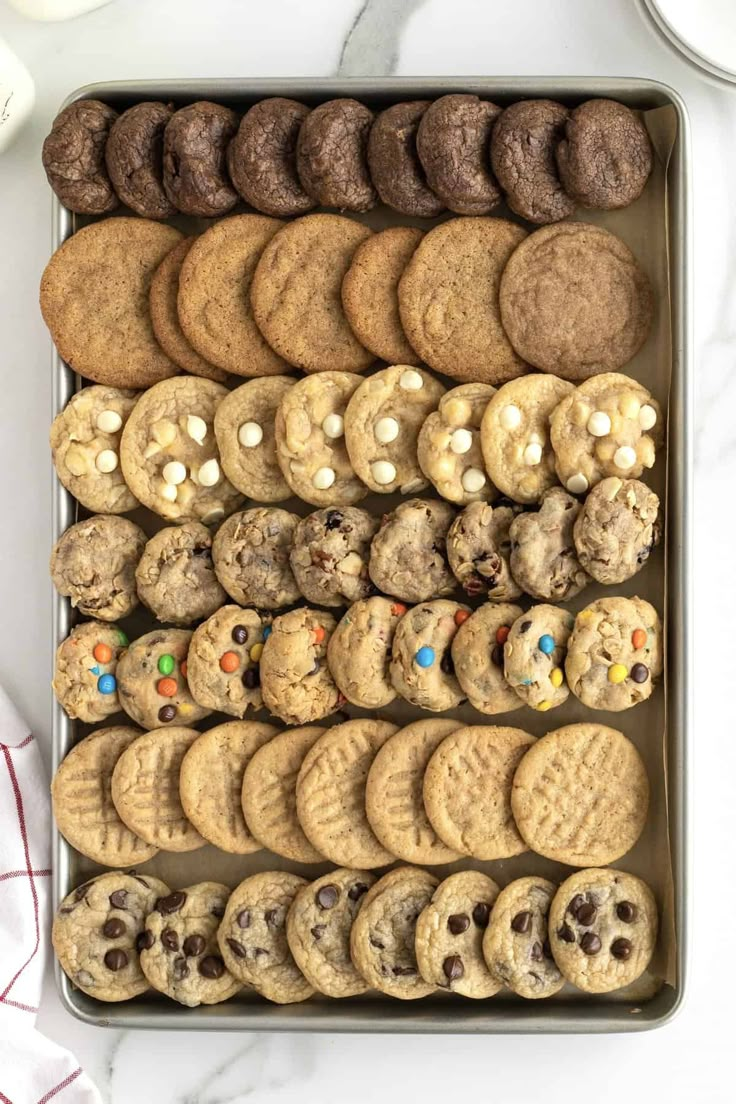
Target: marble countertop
(183, 38)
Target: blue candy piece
(107, 684)
(94, 670)
(267, 632)
(425, 656)
(546, 644)
(525, 682)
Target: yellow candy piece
(544, 706)
(617, 672)
(255, 652)
(184, 708)
(555, 677)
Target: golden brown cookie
(295, 680)
(85, 671)
(477, 654)
(449, 445)
(176, 577)
(421, 660)
(244, 428)
(516, 945)
(359, 651)
(449, 939)
(94, 562)
(152, 680)
(223, 660)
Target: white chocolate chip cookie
(449, 449)
(244, 428)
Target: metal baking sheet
(645, 1005)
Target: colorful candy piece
(94, 670)
(544, 706)
(502, 634)
(556, 677)
(229, 662)
(617, 673)
(183, 668)
(239, 634)
(398, 609)
(546, 644)
(319, 634)
(166, 687)
(639, 638)
(640, 672)
(256, 652)
(425, 656)
(107, 684)
(461, 615)
(122, 639)
(166, 664)
(267, 630)
(166, 713)
(102, 653)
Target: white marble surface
(179, 38)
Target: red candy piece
(183, 668)
(460, 616)
(398, 609)
(502, 634)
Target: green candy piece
(166, 664)
(122, 639)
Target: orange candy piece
(398, 609)
(639, 638)
(319, 634)
(502, 634)
(460, 616)
(229, 662)
(102, 653)
(166, 687)
(183, 668)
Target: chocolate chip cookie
(251, 555)
(223, 663)
(605, 157)
(449, 447)
(543, 558)
(261, 158)
(397, 172)
(329, 555)
(359, 651)
(452, 142)
(408, 553)
(516, 944)
(479, 551)
(449, 937)
(85, 671)
(331, 155)
(152, 680)
(93, 564)
(422, 670)
(477, 654)
(616, 529)
(523, 145)
(244, 428)
(534, 656)
(134, 159)
(614, 654)
(195, 147)
(295, 680)
(176, 577)
(73, 157)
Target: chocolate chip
(259, 951)
(403, 971)
(621, 949)
(446, 664)
(145, 940)
(116, 959)
(218, 911)
(212, 967)
(81, 891)
(166, 713)
(272, 918)
(333, 519)
(525, 626)
(376, 943)
(251, 678)
(639, 672)
(326, 896)
(575, 904)
(522, 922)
(239, 634)
(118, 898)
(356, 891)
(113, 928)
(238, 950)
(172, 903)
(139, 879)
(458, 923)
(318, 931)
(481, 914)
(546, 949)
(537, 952)
(181, 969)
(194, 945)
(590, 943)
(453, 968)
(497, 655)
(170, 939)
(586, 914)
(626, 911)
(566, 934)
(244, 918)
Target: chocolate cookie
(408, 553)
(605, 158)
(523, 159)
(261, 158)
(329, 555)
(453, 144)
(176, 577)
(394, 163)
(195, 147)
(73, 156)
(134, 156)
(93, 564)
(331, 155)
(479, 550)
(251, 554)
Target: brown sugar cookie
(453, 141)
(448, 299)
(134, 157)
(370, 292)
(523, 159)
(261, 158)
(296, 298)
(94, 300)
(605, 157)
(574, 301)
(331, 155)
(394, 163)
(73, 156)
(246, 438)
(162, 300)
(195, 147)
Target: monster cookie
(194, 170)
(574, 301)
(523, 159)
(176, 576)
(318, 928)
(252, 937)
(330, 793)
(421, 661)
(394, 164)
(269, 794)
(211, 782)
(603, 929)
(609, 425)
(382, 424)
(145, 789)
(214, 296)
(514, 436)
(331, 155)
(251, 554)
(477, 655)
(261, 158)
(296, 682)
(85, 448)
(311, 446)
(534, 656)
(614, 653)
(93, 564)
(94, 300)
(73, 157)
(329, 555)
(98, 933)
(134, 159)
(244, 428)
(359, 651)
(179, 952)
(370, 292)
(543, 558)
(393, 796)
(82, 800)
(448, 299)
(295, 294)
(382, 940)
(223, 669)
(581, 795)
(452, 142)
(449, 450)
(152, 680)
(479, 550)
(467, 790)
(449, 936)
(169, 454)
(616, 529)
(605, 156)
(85, 672)
(408, 557)
(516, 943)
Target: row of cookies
(406, 934)
(283, 159)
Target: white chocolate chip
(599, 424)
(386, 430)
(164, 432)
(510, 417)
(473, 480)
(457, 412)
(624, 457)
(333, 426)
(323, 478)
(106, 461)
(629, 406)
(445, 467)
(213, 515)
(108, 421)
(209, 474)
(174, 473)
(532, 454)
(461, 441)
(196, 428)
(647, 417)
(151, 449)
(352, 564)
(577, 484)
(169, 492)
(193, 476)
(250, 434)
(77, 460)
(383, 472)
(411, 380)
